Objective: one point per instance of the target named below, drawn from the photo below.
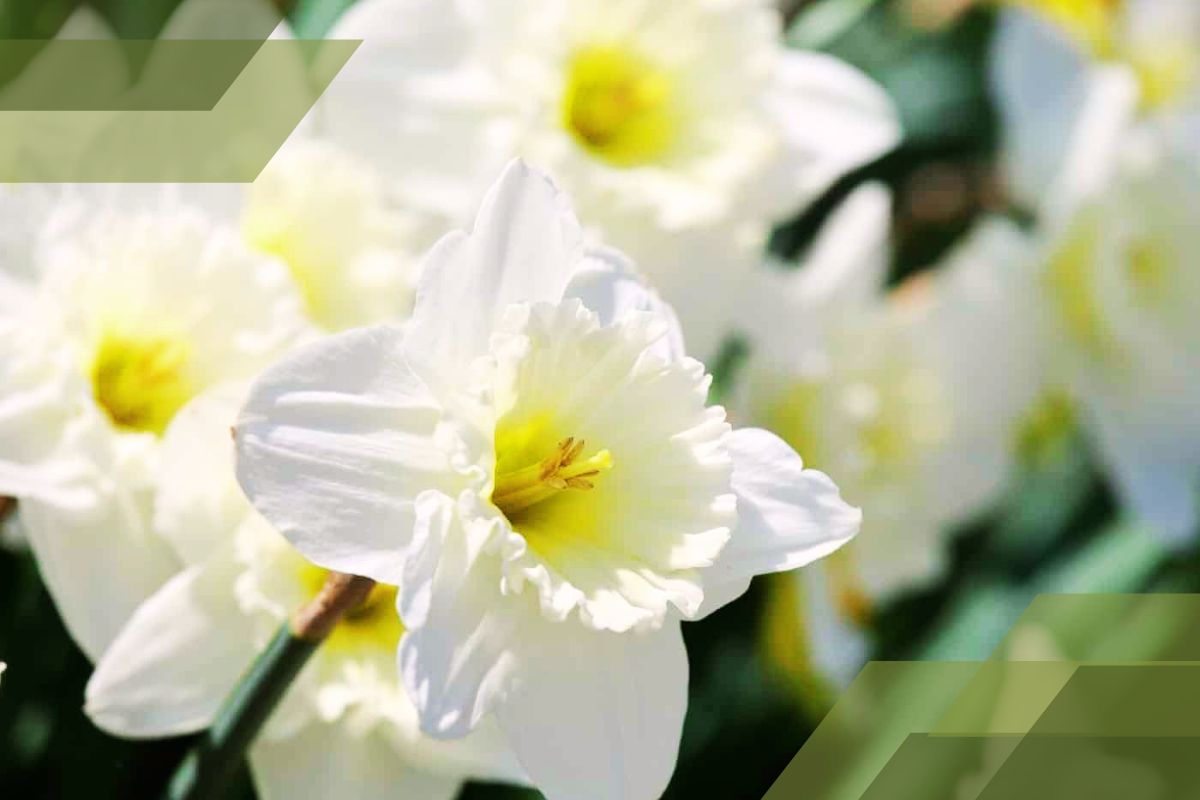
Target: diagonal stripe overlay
(1089, 696)
(232, 142)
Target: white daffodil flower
(123, 317)
(663, 121)
(887, 393)
(327, 216)
(347, 721)
(1116, 285)
(531, 459)
(909, 400)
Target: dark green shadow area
(119, 74)
(99, 75)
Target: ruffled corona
(617, 528)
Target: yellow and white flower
(123, 317)
(663, 120)
(531, 459)
(346, 722)
(328, 216)
(908, 399)
(1110, 160)
(888, 393)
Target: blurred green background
(1057, 530)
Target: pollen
(140, 382)
(619, 106)
(560, 471)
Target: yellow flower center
(793, 414)
(562, 470)
(374, 624)
(619, 106)
(1047, 425)
(1149, 271)
(141, 382)
(1165, 73)
(1070, 279)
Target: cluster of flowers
(500, 425)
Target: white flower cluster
(438, 377)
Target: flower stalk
(207, 769)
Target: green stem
(212, 763)
(207, 769)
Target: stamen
(556, 472)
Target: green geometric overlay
(1089, 696)
(213, 102)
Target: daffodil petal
(457, 664)
(333, 444)
(608, 284)
(1155, 466)
(845, 268)
(176, 660)
(597, 715)
(788, 516)
(96, 581)
(1062, 115)
(439, 560)
(522, 249)
(850, 258)
(411, 80)
(324, 760)
(1038, 79)
(848, 120)
(196, 517)
(720, 593)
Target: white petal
(434, 522)
(598, 715)
(332, 446)
(1038, 78)
(414, 102)
(848, 262)
(324, 761)
(788, 516)
(609, 285)
(524, 247)
(198, 503)
(1155, 465)
(1061, 114)
(718, 594)
(845, 267)
(177, 659)
(1109, 108)
(976, 335)
(42, 445)
(98, 561)
(834, 117)
(457, 663)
